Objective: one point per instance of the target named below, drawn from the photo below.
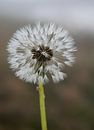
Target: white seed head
(35, 51)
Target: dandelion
(37, 52)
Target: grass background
(69, 104)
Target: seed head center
(43, 53)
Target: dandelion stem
(42, 106)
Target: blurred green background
(69, 103)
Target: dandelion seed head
(37, 51)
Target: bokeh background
(70, 103)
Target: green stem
(42, 106)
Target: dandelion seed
(35, 51)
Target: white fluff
(49, 34)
